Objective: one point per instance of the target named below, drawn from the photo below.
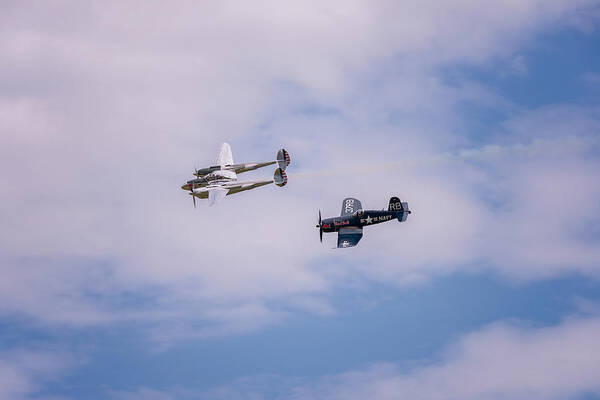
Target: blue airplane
(349, 225)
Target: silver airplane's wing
(349, 206)
(224, 164)
(216, 194)
(225, 157)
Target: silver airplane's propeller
(192, 193)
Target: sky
(483, 116)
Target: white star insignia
(369, 220)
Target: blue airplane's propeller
(320, 226)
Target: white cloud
(526, 211)
(502, 361)
(23, 372)
(108, 107)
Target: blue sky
(403, 327)
(483, 117)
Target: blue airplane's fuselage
(360, 218)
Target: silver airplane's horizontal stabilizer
(280, 178)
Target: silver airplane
(220, 180)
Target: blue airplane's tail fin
(400, 207)
(395, 204)
(404, 213)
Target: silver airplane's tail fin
(280, 178)
(283, 159)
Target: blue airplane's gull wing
(349, 236)
(349, 206)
